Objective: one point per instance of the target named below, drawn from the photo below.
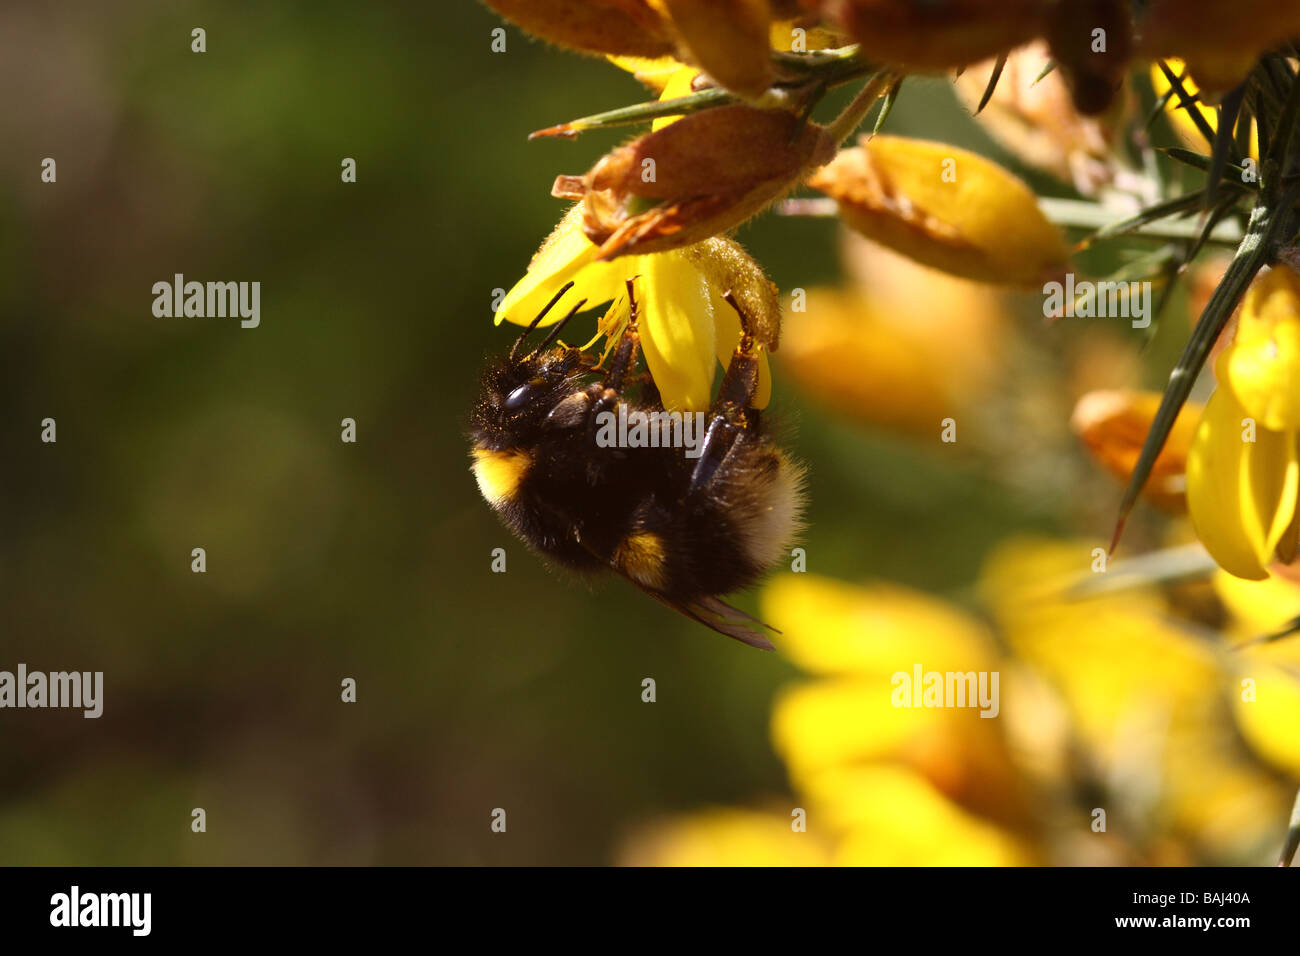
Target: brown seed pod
(620, 27)
(938, 35)
(700, 176)
(729, 39)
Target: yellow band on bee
(499, 473)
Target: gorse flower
(1111, 674)
(686, 326)
(1083, 723)
(946, 208)
(1243, 471)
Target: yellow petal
(1262, 366)
(566, 255)
(654, 73)
(1258, 607)
(1241, 494)
(677, 332)
(678, 85)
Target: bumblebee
(684, 525)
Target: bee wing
(718, 615)
(713, 612)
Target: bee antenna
(540, 315)
(554, 334)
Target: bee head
(519, 393)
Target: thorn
(563, 131)
(1119, 530)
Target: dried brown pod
(698, 177)
(1220, 40)
(621, 27)
(729, 39)
(937, 35)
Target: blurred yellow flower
(727, 837)
(890, 816)
(686, 327)
(903, 347)
(1267, 708)
(1150, 701)
(1116, 740)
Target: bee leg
(730, 413)
(719, 438)
(741, 381)
(606, 395)
(629, 345)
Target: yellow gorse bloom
(1243, 471)
(1108, 687)
(945, 207)
(686, 326)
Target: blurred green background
(370, 560)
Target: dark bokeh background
(329, 560)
